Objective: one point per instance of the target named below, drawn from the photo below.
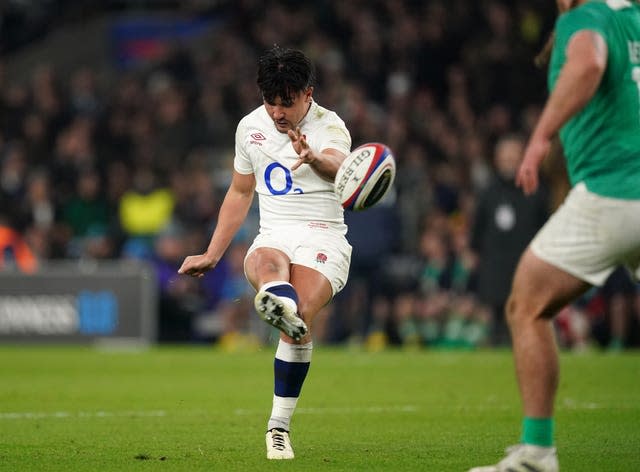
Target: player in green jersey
(594, 106)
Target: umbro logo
(256, 138)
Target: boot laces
(278, 440)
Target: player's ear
(308, 94)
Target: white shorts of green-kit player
(590, 235)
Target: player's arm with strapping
(233, 212)
(586, 62)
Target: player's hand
(300, 145)
(534, 154)
(196, 266)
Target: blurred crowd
(135, 165)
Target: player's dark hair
(284, 72)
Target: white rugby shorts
(590, 235)
(316, 246)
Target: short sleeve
(241, 161)
(336, 136)
(590, 16)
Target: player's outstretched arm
(577, 83)
(233, 212)
(325, 163)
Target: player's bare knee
(520, 310)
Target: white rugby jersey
(285, 197)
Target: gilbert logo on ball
(365, 176)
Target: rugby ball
(365, 176)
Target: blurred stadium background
(116, 146)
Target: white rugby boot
(525, 458)
(279, 444)
(273, 311)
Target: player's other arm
(577, 83)
(325, 163)
(233, 212)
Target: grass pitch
(197, 409)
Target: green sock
(537, 431)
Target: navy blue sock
(290, 369)
(284, 291)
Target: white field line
(340, 410)
(571, 404)
(565, 403)
(490, 405)
(31, 415)
(35, 415)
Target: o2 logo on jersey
(277, 175)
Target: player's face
(286, 114)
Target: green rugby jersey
(602, 142)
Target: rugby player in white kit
(288, 150)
